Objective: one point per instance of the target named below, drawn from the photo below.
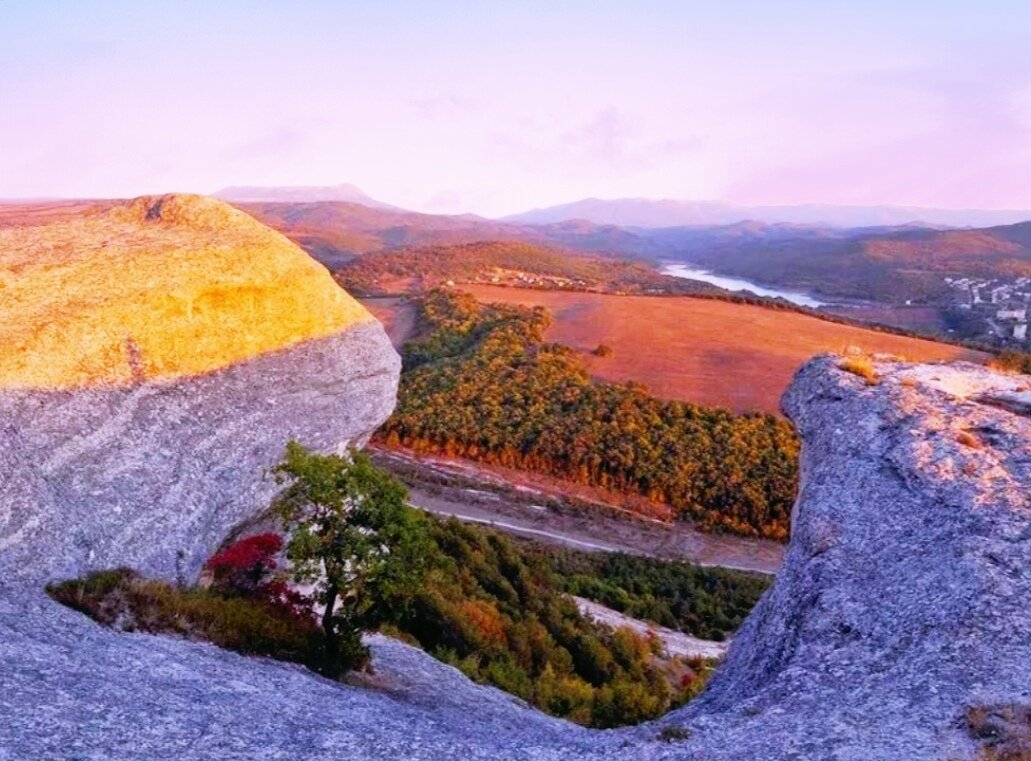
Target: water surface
(740, 284)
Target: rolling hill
(335, 232)
(884, 264)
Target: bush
(1011, 361)
(241, 568)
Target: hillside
(335, 232)
(706, 351)
(892, 265)
(481, 383)
(412, 270)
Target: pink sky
(457, 106)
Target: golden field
(706, 351)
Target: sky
(469, 106)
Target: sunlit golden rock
(156, 288)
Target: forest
(498, 610)
(482, 383)
(709, 603)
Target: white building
(1011, 314)
(1020, 331)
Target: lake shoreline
(689, 271)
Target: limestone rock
(904, 596)
(902, 603)
(157, 356)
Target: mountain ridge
(654, 213)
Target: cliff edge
(900, 615)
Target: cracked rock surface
(904, 596)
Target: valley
(554, 512)
(515, 381)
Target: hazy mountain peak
(299, 194)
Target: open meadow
(707, 351)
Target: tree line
(483, 384)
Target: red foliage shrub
(241, 568)
(278, 594)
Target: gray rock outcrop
(904, 598)
(155, 476)
(156, 357)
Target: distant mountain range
(649, 213)
(887, 263)
(334, 232)
(300, 194)
(883, 259)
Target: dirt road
(676, 643)
(461, 490)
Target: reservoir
(740, 284)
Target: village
(1001, 303)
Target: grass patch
(673, 734)
(861, 366)
(1004, 731)
(123, 600)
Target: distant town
(1000, 304)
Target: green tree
(354, 537)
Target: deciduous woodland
(481, 383)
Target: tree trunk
(331, 666)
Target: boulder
(158, 355)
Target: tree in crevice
(354, 538)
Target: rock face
(902, 603)
(903, 600)
(157, 357)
